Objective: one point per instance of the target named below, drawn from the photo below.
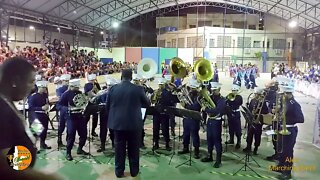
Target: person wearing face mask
(39, 108)
(214, 124)
(191, 127)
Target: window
(181, 42)
(161, 43)
(244, 42)
(224, 41)
(211, 43)
(204, 23)
(192, 26)
(174, 42)
(227, 26)
(168, 44)
(257, 44)
(216, 25)
(279, 44)
(195, 42)
(239, 24)
(252, 27)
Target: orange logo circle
(19, 158)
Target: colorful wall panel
(118, 54)
(133, 54)
(104, 53)
(186, 54)
(167, 53)
(150, 52)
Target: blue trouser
(44, 120)
(76, 123)
(287, 142)
(104, 129)
(127, 140)
(63, 119)
(191, 127)
(254, 130)
(235, 125)
(252, 79)
(164, 121)
(214, 129)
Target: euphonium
(178, 68)
(80, 101)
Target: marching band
(76, 108)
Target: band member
(214, 125)
(257, 106)
(172, 122)
(234, 101)
(161, 98)
(124, 104)
(76, 122)
(39, 108)
(191, 126)
(64, 115)
(104, 116)
(293, 115)
(91, 89)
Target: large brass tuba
(178, 68)
(147, 68)
(204, 72)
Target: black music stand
(152, 110)
(248, 155)
(184, 113)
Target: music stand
(248, 154)
(152, 110)
(184, 113)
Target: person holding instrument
(14, 130)
(234, 101)
(191, 126)
(257, 106)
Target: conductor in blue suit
(123, 106)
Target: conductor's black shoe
(101, 149)
(82, 152)
(69, 157)
(120, 175)
(94, 134)
(237, 146)
(255, 151)
(229, 142)
(271, 158)
(217, 164)
(284, 176)
(207, 159)
(44, 146)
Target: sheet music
(143, 112)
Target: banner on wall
(316, 131)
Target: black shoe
(184, 151)
(247, 150)
(229, 142)
(237, 146)
(94, 134)
(101, 149)
(196, 155)
(82, 152)
(155, 147)
(255, 151)
(284, 176)
(207, 159)
(69, 157)
(271, 158)
(217, 164)
(168, 148)
(120, 176)
(44, 146)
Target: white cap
(167, 77)
(193, 83)
(289, 89)
(215, 85)
(92, 77)
(136, 77)
(75, 82)
(235, 87)
(65, 77)
(38, 77)
(56, 79)
(258, 90)
(42, 84)
(162, 81)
